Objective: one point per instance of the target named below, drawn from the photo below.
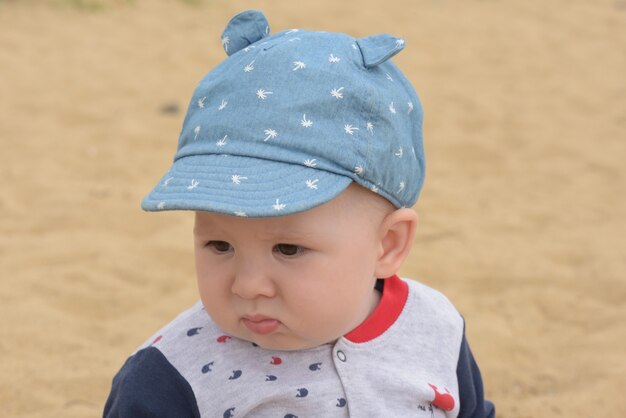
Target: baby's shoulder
(188, 322)
(430, 306)
(429, 294)
(150, 383)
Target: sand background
(522, 211)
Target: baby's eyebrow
(291, 236)
(206, 228)
(287, 233)
(200, 232)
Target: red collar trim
(395, 294)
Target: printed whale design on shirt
(236, 375)
(443, 401)
(207, 367)
(315, 366)
(193, 331)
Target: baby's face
(291, 282)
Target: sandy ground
(522, 212)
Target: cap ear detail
(377, 49)
(244, 29)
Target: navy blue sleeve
(472, 398)
(148, 386)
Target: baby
(301, 155)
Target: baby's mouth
(260, 324)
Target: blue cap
(289, 120)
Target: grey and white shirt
(408, 359)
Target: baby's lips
(260, 324)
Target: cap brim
(243, 186)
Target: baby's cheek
(325, 319)
(202, 268)
(203, 287)
(212, 296)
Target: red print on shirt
(443, 401)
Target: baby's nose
(252, 281)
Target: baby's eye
(288, 249)
(219, 246)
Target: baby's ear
(397, 231)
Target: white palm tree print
(292, 31)
(278, 206)
(167, 182)
(236, 179)
(370, 127)
(196, 131)
(194, 184)
(410, 106)
(306, 122)
(310, 163)
(399, 153)
(333, 58)
(249, 67)
(241, 213)
(201, 102)
(392, 108)
(298, 65)
(399, 43)
(349, 129)
(271, 134)
(374, 188)
(222, 141)
(161, 205)
(389, 77)
(358, 170)
(225, 42)
(402, 185)
(312, 184)
(248, 48)
(223, 104)
(336, 93)
(262, 94)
